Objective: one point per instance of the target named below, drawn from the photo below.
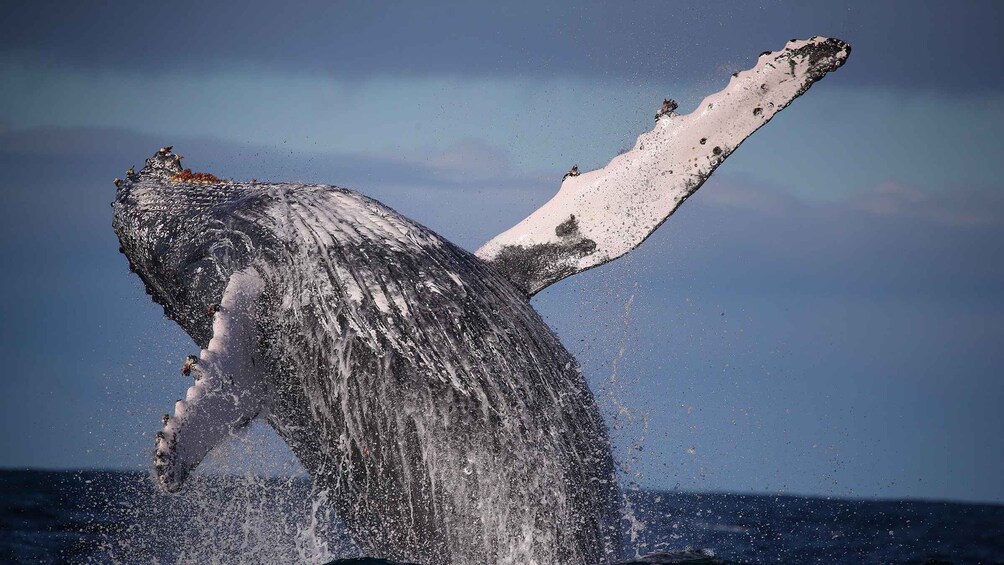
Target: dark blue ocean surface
(99, 517)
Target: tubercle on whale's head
(168, 223)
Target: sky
(825, 316)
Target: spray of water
(230, 512)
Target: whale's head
(175, 228)
(189, 236)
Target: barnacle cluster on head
(167, 165)
(196, 178)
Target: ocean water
(106, 517)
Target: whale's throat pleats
(436, 397)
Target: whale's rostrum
(413, 379)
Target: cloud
(465, 160)
(950, 207)
(746, 234)
(962, 206)
(452, 167)
(742, 193)
(58, 142)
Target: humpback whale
(412, 378)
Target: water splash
(230, 512)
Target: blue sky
(824, 316)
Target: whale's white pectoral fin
(600, 215)
(229, 389)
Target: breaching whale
(412, 378)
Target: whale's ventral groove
(412, 378)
